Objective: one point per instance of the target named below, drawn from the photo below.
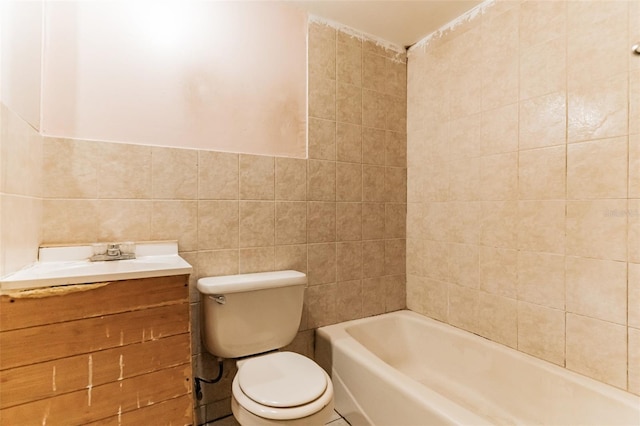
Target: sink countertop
(70, 265)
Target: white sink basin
(70, 265)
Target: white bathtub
(405, 369)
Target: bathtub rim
(338, 332)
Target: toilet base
(246, 418)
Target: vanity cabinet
(103, 353)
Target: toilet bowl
(248, 317)
(281, 388)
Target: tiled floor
(335, 420)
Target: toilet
(249, 317)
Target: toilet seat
(282, 380)
(282, 404)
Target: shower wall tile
(597, 349)
(522, 178)
(291, 179)
(597, 169)
(597, 288)
(541, 332)
(322, 139)
(598, 109)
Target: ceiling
(398, 21)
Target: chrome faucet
(114, 251)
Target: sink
(70, 265)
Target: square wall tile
(175, 220)
(498, 319)
(597, 288)
(217, 224)
(541, 332)
(321, 180)
(133, 165)
(321, 222)
(499, 223)
(541, 279)
(373, 296)
(395, 222)
(322, 263)
(394, 257)
(349, 64)
(373, 146)
(70, 168)
(373, 188)
(634, 166)
(374, 112)
(373, 258)
(633, 230)
(597, 169)
(396, 149)
(543, 121)
(500, 130)
(542, 226)
(597, 229)
(348, 181)
(257, 223)
(634, 361)
(322, 305)
(395, 293)
(348, 103)
(349, 261)
(499, 176)
(322, 97)
(292, 257)
(395, 184)
(322, 139)
(349, 300)
(435, 256)
(543, 66)
(499, 271)
(348, 221)
(217, 175)
(542, 173)
(373, 71)
(291, 179)
(56, 226)
(463, 307)
(597, 349)
(257, 177)
(464, 265)
(174, 173)
(124, 220)
(349, 142)
(598, 109)
(634, 295)
(291, 223)
(322, 50)
(257, 259)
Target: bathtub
(402, 368)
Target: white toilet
(250, 314)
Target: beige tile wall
(524, 211)
(338, 216)
(20, 192)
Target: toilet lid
(282, 379)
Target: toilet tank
(251, 313)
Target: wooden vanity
(114, 352)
